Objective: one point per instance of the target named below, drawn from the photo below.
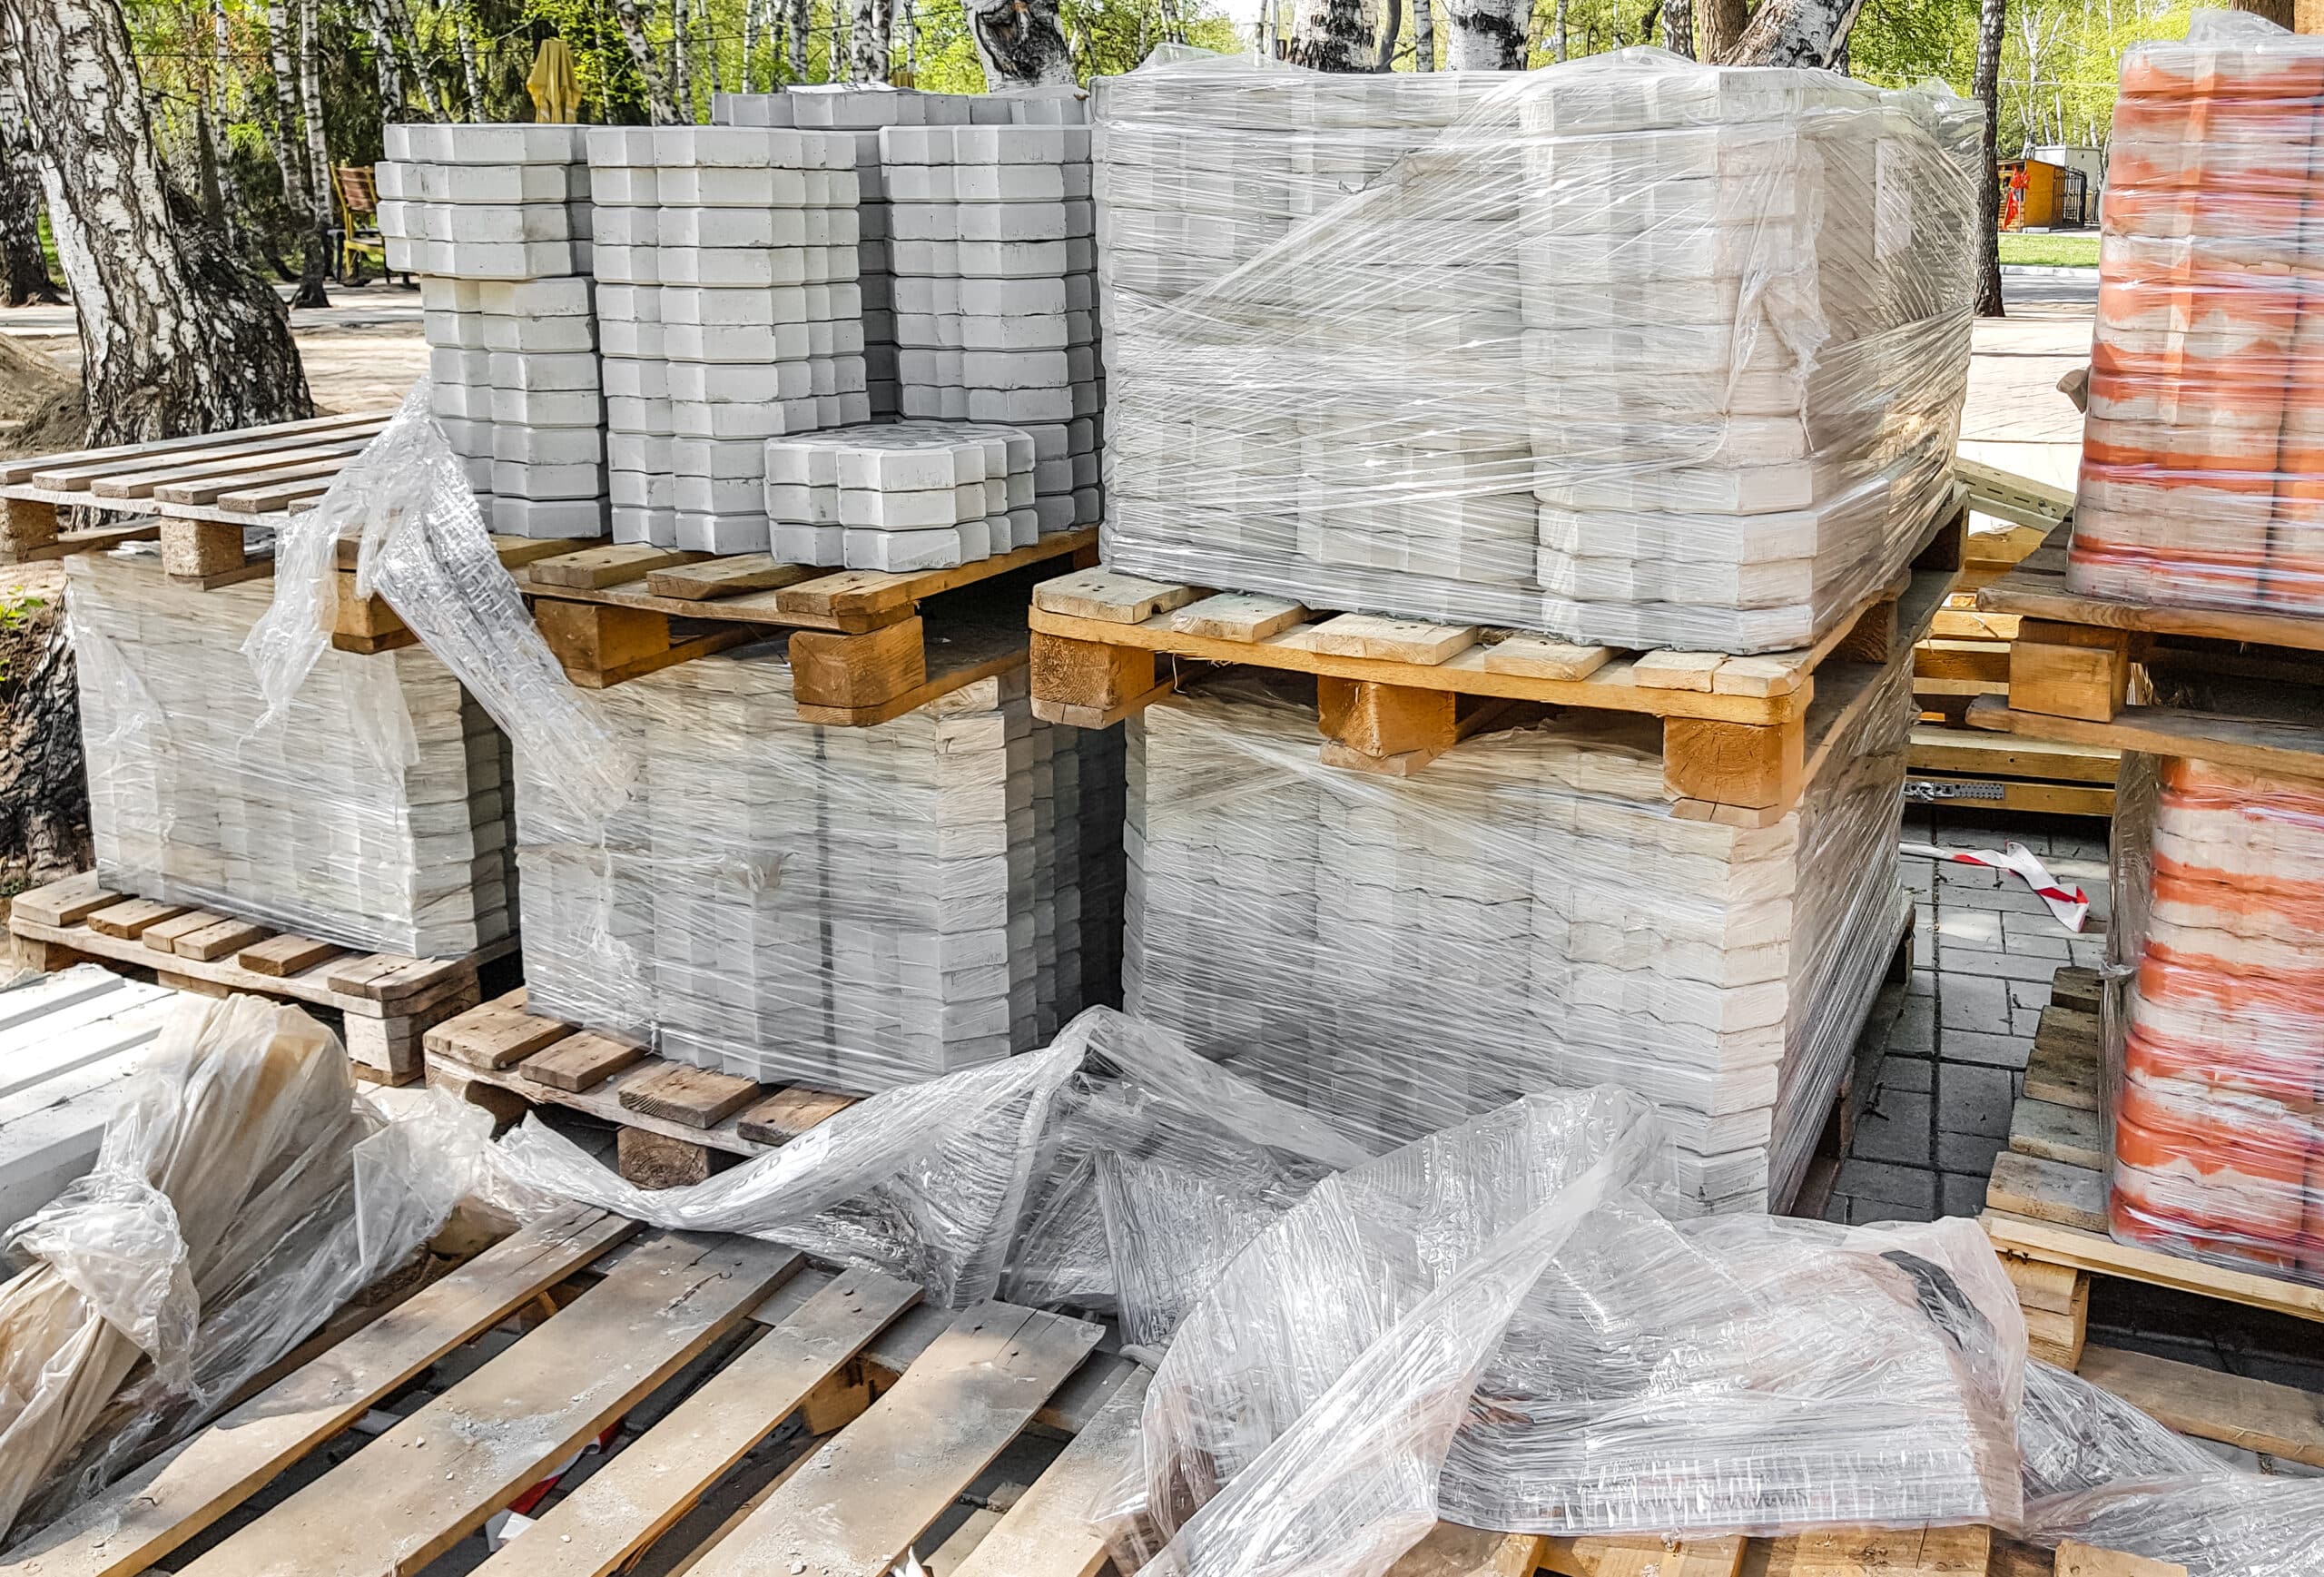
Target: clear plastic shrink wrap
(1629, 349)
(2215, 1038)
(1398, 955)
(372, 808)
(846, 908)
(242, 1193)
(2203, 469)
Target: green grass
(2072, 250)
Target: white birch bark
(1019, 42)
(1488, 35)
(1799, 32)
(659, 103)
(1337, 35)
(464, 25)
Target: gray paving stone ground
(1985, 948)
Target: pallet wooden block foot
(199, 549)
(1091, 685)
(652, 1160)
(1734, 764)
(27, 527)
(1386, 728)
(2069, 670)
(865, 670)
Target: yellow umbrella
(556, 90)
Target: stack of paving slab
(324, 822)
(1636, 351)
(1527, 913)
(495, 220)
(915, 494)
(992, 244)
(847, 908)
(728, 304)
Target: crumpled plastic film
(2202, 467)
(422, 545)
(2099, 1469)
(1302, 1306)
(370, 808)
(845, 908)
(1753, 1375)
(241, 1194)
(1531, 912)
(2215, 1034)
(1629, 350)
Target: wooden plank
(2261, 743)
(717, 577)
(696, 1097)
(496, 1034)
(859, 599)
(424, 1484)
(655, 1160)
(86, 463)
(1238, 615)
(157, 1508)
(2098, 1253)
(2036, 590)
(788, 1113)
(1047, 1532)
(225, 472)
(1654, 1558)
(2062, 1067)
(391, 977)
(2047, 799)
(2076, 1559)
(1545, 657)
(880, 1483)
(497, 1088)
(611, 565)
(133, 917)
(2008, 496)
(1450, 1550)
(286, 955)
(2056, 1133)
(634, 1498)
(1119, 599)
(1392, 640)
(2256, 1414)
(1963, 1551)
(581, 1061)
(216, 942)
(1668, 670)
(280, 497)
(163, 937)
(2045, 1190)
(2075, 987)
(256, 489)
(68, 902)
(957, 657)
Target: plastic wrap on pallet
(2202, 467)
(1629, 349)
(2098, 1470)
(1399, 954)
(241, 1194)
(372, 808)
(845, 908)
(2214, 1035)
(421, 545)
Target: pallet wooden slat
(133, 917)
(698, 1098)
(423, 1484)
(67, 902)
(581, 1061)
(2036, 589)
(98, 461)
(1047, 1532)
(140, 1519)
(2256, 1415)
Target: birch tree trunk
(835, 56)
(321, 188)
(1987, 90)
(1719, 23)
(414, 58)
(472, 79)
(1558, 48)
(680, 64)
(1488, 35)
(1809, 33)
(287, 157)
(749, 41)
(798, 19)
(1678, 27)
(1336, 35)
(1424, 37)
(867, 40)
(384, 57)
(659, 103)
(1390, 26)
(177, 337)
(24, 270)
(911, 42)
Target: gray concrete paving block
(1990, 1050)
(1894, 1128)
(1968, 1152)
(1913, 1034)
(1968, 1001)
(1908, 1187)
(1961, 927)
(2007, 966)
(1868, 1211)
(1963, 1193)
(1974, 1099)
(1911, 1074)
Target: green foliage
(17, 607)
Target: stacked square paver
(849, 908)
(312, 823)
(1634, 351)
(1401, 954)
(728, 259)
(904, 495)
(496, 221)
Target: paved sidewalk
(1984, 949)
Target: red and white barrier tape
(2071, 905)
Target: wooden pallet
(1918, 1551)
(675, 1124)
(1985, 771)
(2236, 687)
(2045, 1210)
(764, 1414)
(387, 1001)
(1741, 735)
(860, 651)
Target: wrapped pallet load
(2203, 471)
(1399, 954)
(847, 908)
(2215, 1038)
(374, 811)
(1632, 350)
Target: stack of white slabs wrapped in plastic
(1399, 954)
(847, 908)
(494, 220)
(995, 287)
(1630, 350)
(729, 309)
(374, 813)
(914, 495)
